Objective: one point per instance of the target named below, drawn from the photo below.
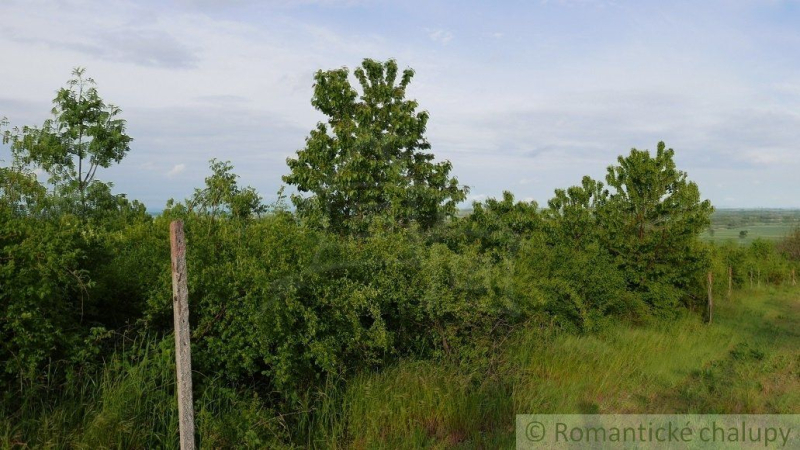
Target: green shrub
(44, 298)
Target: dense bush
(44, 297)
(282, 306)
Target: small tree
(84, 134)
(370, 159)
(223, 196)
(743, 234)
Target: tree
(742, 234)
(20, 190)
(572, 213)
(84, 134)
(370, 159)
(652, 220)
(223, 196)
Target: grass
(131, 405)
(748, 361)
(769, 224)
(123, 407)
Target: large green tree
(651, 221)
(84, 134)
(371, 158)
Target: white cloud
(768, 157)
(176, 170)
(476, 198)
(441, 36)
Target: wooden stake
(710, 297)
(183, 353)
(730, 281)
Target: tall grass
(128, 404)
(131, 404)
(746, 362)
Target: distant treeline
(738, 218)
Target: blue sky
(523, 96)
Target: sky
(524, 96)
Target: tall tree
(370, 159)
(652, 221)
(84, 134)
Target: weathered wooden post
(794, 280)
(730, 281)
(183, 353)
(710, 297)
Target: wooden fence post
(710, 297)
(730, 281)
(183, 353)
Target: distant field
(773, 224)
(756, 231)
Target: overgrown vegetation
(371, 315)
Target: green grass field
(772, 232)
(747, 361)
(769, 224)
